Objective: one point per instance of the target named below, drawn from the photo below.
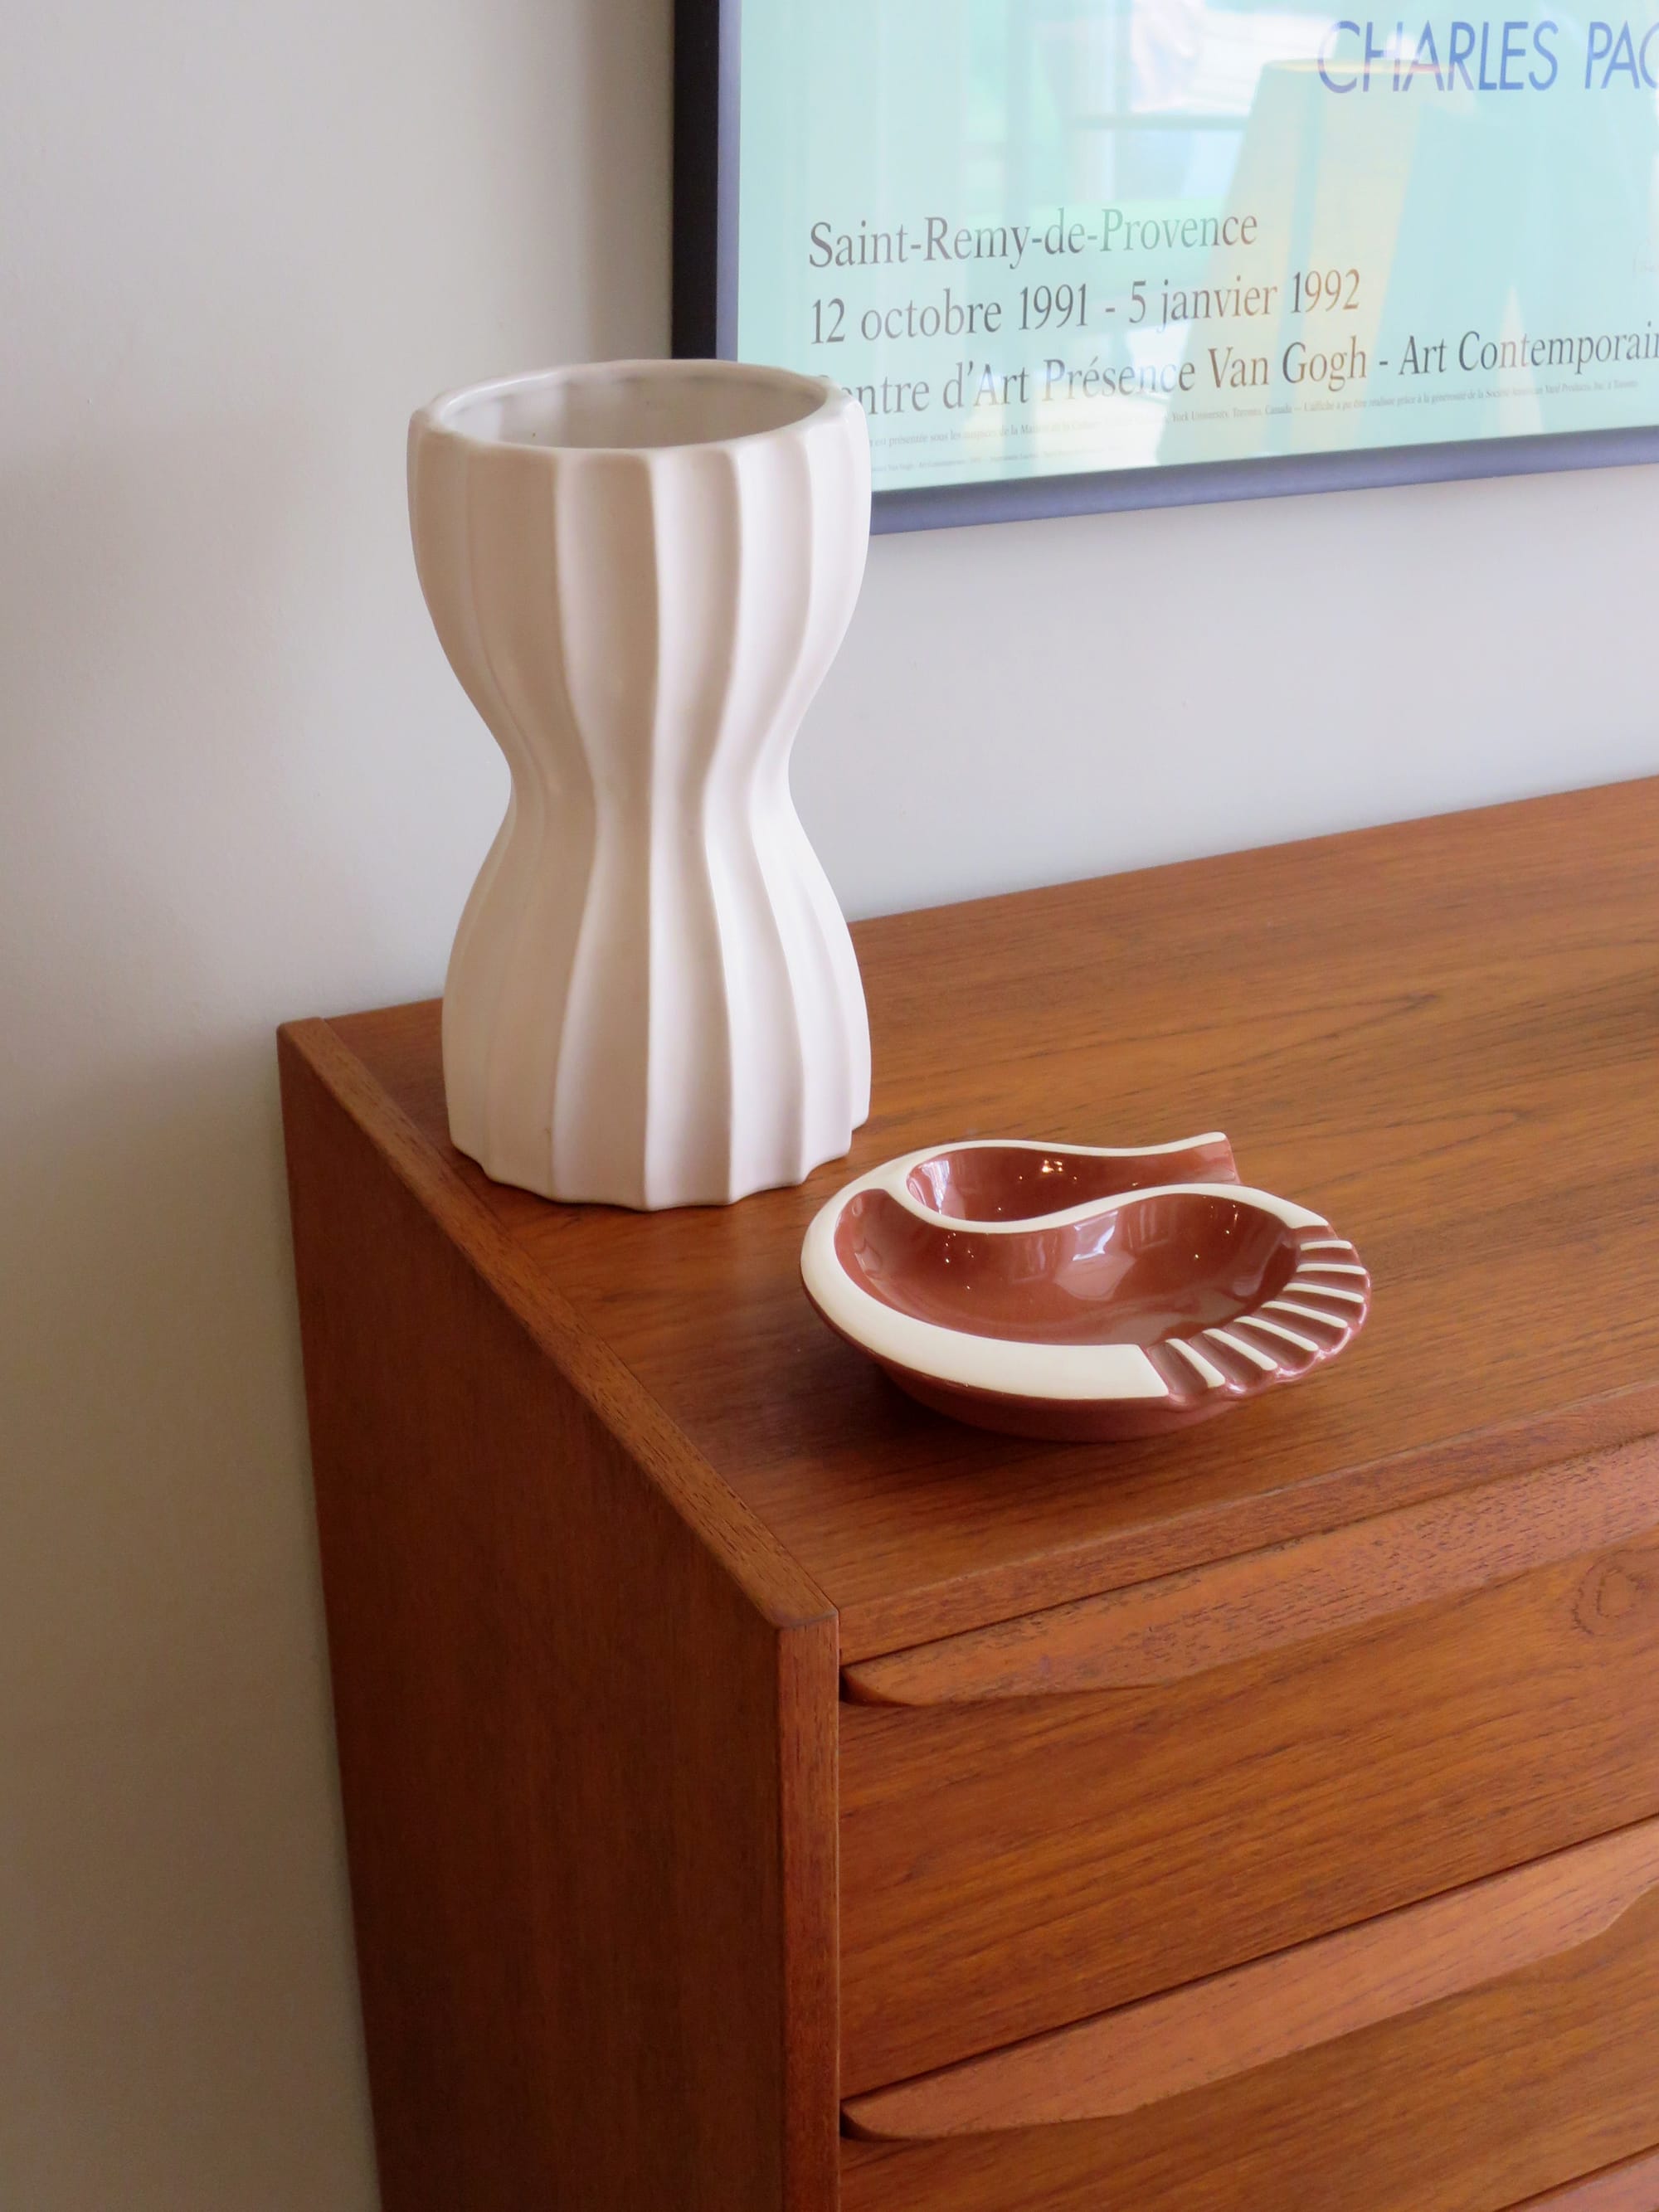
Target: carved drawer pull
(1181, 1624)
(1141, 2053)
(1631, 2186)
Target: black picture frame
(707, 106)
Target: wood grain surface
(1632, 2185)
(1443, 1035)
(584, 1709)
(608, 1520)
(1311, 1993)
(1180, 1625)
(1010, 1865)
(1474, 2104)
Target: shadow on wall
(237, 783)
(176, 1999)
(167, 1850)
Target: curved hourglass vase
(640, 574)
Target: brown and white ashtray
(1079, 1291)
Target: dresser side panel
(588, 1784)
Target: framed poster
(1077, 255)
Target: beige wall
(237, 244)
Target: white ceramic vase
(641, 573)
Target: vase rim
(462, 414)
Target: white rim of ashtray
(997, 1364)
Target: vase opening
(632, 405)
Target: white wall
(237, 244)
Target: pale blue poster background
(1042, 237)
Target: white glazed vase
(641, 573)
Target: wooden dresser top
(1443, 1034)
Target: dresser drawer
(1470, 2053)
(1045, 1821)
(1632, 2185)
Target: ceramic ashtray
(1076, 1292)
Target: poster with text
(1053, 239)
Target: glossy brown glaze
(1107, 1317)
(1010, 1182)
(1147, 1269)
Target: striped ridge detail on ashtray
(1307, 1323)
(1250, 1352)
(1206, 1370)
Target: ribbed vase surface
(641, 573)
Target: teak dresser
(762, 1793)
